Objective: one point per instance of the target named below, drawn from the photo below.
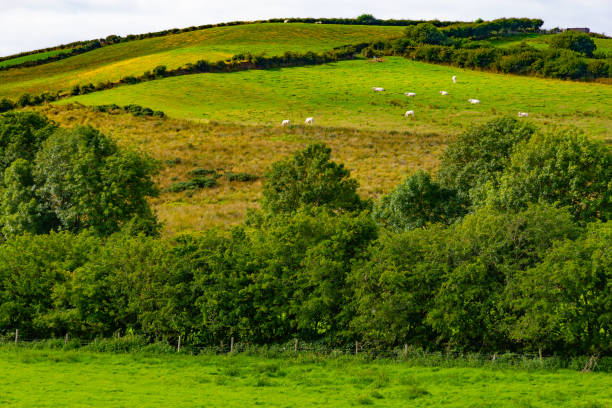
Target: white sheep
(409, 113)
(473, 101)
(454, 79)
(309, 121)
(443, 93)
(523, 114)
(286, 122)
(378, 89)
(410, 94)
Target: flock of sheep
(310, 120)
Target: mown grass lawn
(340, 94)
(114, 62)
(30, 378)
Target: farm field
(33, 57)
(379, 160)
(113, 62)
(340, 95)
(542, 40)
(84, 379)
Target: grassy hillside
(541, 41)
(32, 57)
(133, 58)
(378, 160)
(79, 379)
(341, 95)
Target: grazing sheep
(286, 21)
(286, 122)
(454, 79)
(443, 93)
(474, 101)
(410, 94)
(409, 113)
(523, 114)
(378, 89)
(309, 121)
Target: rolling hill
(341, 95)
(231, 121)
(116, 61)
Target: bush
(245, 177)
(575, 41)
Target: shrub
(575, 41)
(246, 177)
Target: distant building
(581, 29)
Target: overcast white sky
(33, 24)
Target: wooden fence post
(295, 348)
(178, 346)
(66, 339)
(16, 335)
(540, 353)
(356, 347)
(232, 345)
(406, 350)
(221, 345)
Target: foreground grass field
(379, 160)
(31, 378)
(114, 62)
(341, 95)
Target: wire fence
(306, 350)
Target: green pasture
(32, 57)
(542, 40)
(134, 57)
(340, 95)
(44, 378)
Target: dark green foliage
(565, 168)
(88, 182)
(54, 179)
(565, 303)
(203, 172)
(21, 136)
(192, 184)
(245, 177)
(312, 267)
(575, 41)
(480, 154)
(160, 71)
(33, 269)
(483, 254)
(6, 105)
(309, 178)
(425, 33)
(200, 178)
(418, 202)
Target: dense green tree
(425, 33)
(418, 202)
(6, 105)
(88, 182)
(485, 252)
(394, 288)
(575, 41)
(480, 154)
(33, 270)
(20, 209)
(565, 302)
(566, 168)
(309, 178)
(21, 136)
